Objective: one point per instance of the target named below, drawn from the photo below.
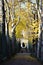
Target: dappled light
(25, 13)
(21, 32)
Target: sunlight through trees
(22, 16)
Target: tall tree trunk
(3, 25)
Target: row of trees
(21, 16)
(20, 20)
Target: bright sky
(0, 8)
(34, 1)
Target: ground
(22, 59)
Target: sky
(34, 1)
